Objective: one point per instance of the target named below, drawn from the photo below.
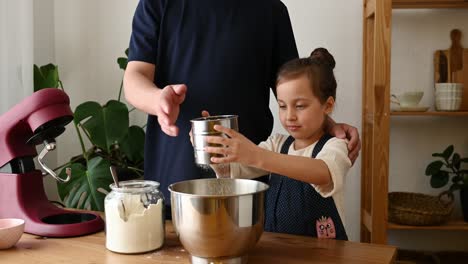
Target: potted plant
(449, 168)
(112, 142)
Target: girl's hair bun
(323, 57)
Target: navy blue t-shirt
(227, 52)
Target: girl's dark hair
(319, 70)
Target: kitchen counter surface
(272, 248)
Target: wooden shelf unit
(376, 115)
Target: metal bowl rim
(264, 185)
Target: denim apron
(295, 207)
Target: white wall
(44, 53)
(15, 52)
(44, 34)
(89, 36)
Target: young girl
(308, 167)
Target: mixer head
(49, 131)
(39, 118)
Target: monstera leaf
(45, 77)
(87, 186)
(105, 125)
(133, 144)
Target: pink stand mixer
(38, 119)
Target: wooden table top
(272, 248)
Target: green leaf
(122, 63)
(38, 78)
(133, 144)
(85, 183)
(456, 161)
(440, 179)
(106, 125)
(448, 152)
(434, 167)
(45, 77)
(86, 110)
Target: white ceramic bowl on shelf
(449, 87)
(448, 104)
(448, 96)
(11, 230)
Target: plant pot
(464, 202)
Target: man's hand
(170, 99)
(345, 131)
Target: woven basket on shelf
(419, 209)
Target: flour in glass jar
(132, 228)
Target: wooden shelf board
(428, 113)
(412, 4)
(455, 225)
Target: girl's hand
(236, 148)
(204, 113)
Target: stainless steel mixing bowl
(218, 220)
(204, 126)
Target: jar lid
(135, 186)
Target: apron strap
(318, 147)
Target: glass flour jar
(134, 217)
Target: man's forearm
(140, 91)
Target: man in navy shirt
(187, 56)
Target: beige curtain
(16, 52)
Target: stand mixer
(38, 119)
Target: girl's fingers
(217, 140)
(224, 152)
(216, 150)
(221, 160)
(230, 132)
